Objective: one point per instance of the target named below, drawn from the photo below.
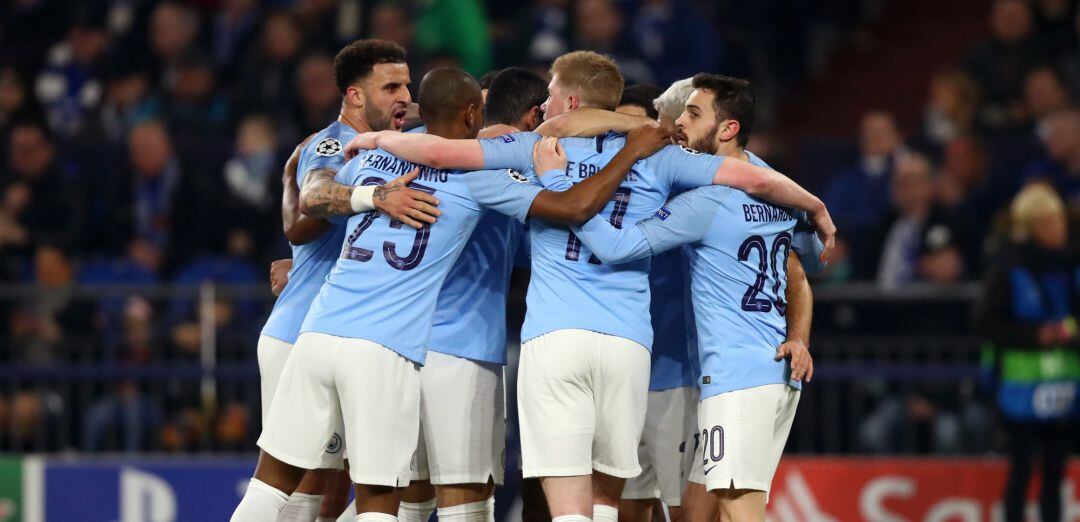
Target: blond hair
(593, 77)
(1035, 201)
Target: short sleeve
(326, 153)
(684, 219)
(683, 168)
(509, 151)
(505, 191)
(807, 245)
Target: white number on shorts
(713, 441)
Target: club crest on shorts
(334, 445)
(517, 176)
(328, 147)
(688, 150)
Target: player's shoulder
(330, 141)
(757, 161)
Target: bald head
(448, 94)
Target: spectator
(196, 112)
(1060, 134)
(127, 419)
(267, 79)
(1054, 21)
(1000, 63)
(37, 198)
(1045, 93)
(320, 100)
(599, 27)
(231, 30)
(550, 20)
(1027, 312)
(966, 185)
(950, 110)
(917, 241)
(858, 197)
(666, 30)
(251, 177)
(70, 84)
(15, 100)
(331, 23)
(173, 29)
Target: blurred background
(141, 148)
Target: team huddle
(667, 324)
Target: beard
(707, 143)
(376, 119)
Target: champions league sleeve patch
(663, 213)
(517, 176)
(328, 147)
(688, 150)
(506, 138)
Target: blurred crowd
(928, 205)
(142, 142)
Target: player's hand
(360, 143)
(548, 155)
(802, 364)
(826, 231)
(279, 275)
(645, 140)
(409, 206)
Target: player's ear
(729, 129)
(354, 96)
(470, 117)
(535, 117)
(573, 102)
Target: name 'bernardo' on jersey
(400, 167)
(755, 213)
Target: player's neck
(354, 119)
(448, 130)
(732, 150)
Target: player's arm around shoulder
(777, 188)
(588, 122)
(585, 199)
(422, 149)
(323, 196)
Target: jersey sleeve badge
(328, 147)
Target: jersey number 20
(751, 302)
(363, 255)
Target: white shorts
(273, 353)
(376, 392)
(743, 434)
(581, 401)
(666, 451)
(462, 421)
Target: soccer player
(462, 422)
(362, 70)
(739, 273)
(362, 342)
(584, 371)
(637, 100)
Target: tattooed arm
(323, 197)
(299, 229)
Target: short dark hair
(734, 100)
(513, 93)
(356, 60)
(642, 95)
(445, 92)
(485, 80)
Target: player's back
(738, 284)
(311, 261)
(470, 315)
(674, 352)
(385, 283)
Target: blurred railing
(172, 368)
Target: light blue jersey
(570, 288)
(470, 315)
(385, 284)
(311, 261)
(739, 246)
